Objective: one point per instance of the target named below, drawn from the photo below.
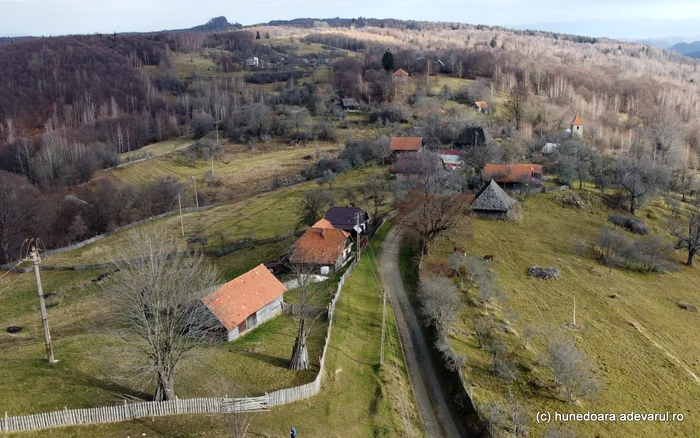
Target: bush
(544, 273)
(687, 306)
(629, 223)
(202, 124)
(572, 199)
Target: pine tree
(257, 35)
(388, 60)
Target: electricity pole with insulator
(42, 304)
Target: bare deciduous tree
(688, 234)
(307, 309)
(573, 371)
(441, 303)
(156, 303)
(640, 179)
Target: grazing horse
(488, 258)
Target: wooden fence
(127, 411)
(213, 405)
(310, 389)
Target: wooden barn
(494, 203)
(246, 301)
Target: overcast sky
(642, 18)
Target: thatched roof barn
(493, 203)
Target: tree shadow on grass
(83, 379)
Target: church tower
(577, 126)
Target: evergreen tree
(388, 60)
(257, 35)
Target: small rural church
(246, 301)
(492, 202)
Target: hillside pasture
(644, 345)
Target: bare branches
(688, 234)
(156, 302)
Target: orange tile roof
(400, 73)
(326, 224)
(510, 173)
(405, 143)
(577, 120)
(320, 246)
(241, 297)
(482, 104)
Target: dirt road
(432, 405)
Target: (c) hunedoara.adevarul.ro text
(559, 417)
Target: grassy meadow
(645, 347)
(261, 216)
(358, 397)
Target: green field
(645, 347)
(93, 366)
(236, 167)
(155, 149)
(264, 215)
(358, 397)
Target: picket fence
(212, 405)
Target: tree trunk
(691, 254)
(633, 207)
(300, 354)
(165, 388)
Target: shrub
(687, 306)
(629, 223)
(572, 199)
(544, 273)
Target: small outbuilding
(481, 106)
(492, 202)
(351, 104)
(246, 301)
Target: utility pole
(357, 230)
(182, 223)
(574, 310)
(42, 304)
(196, 198)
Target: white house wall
(268, 312)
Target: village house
(413, 167)
(246, 301)
(350, 104)
(322, 249)
(400, 75)
(481, 106)
(493, 203)
(399, 145)
(549, 148)
(252, 62)
(346, 219)
(451, 159)
(472, 136)
(514, 176)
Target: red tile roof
(400, 73)
(320, 246)
(450, 152)
(511, 173)
(577, 120)
(241, 297)
(405, 143)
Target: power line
(15, 281)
